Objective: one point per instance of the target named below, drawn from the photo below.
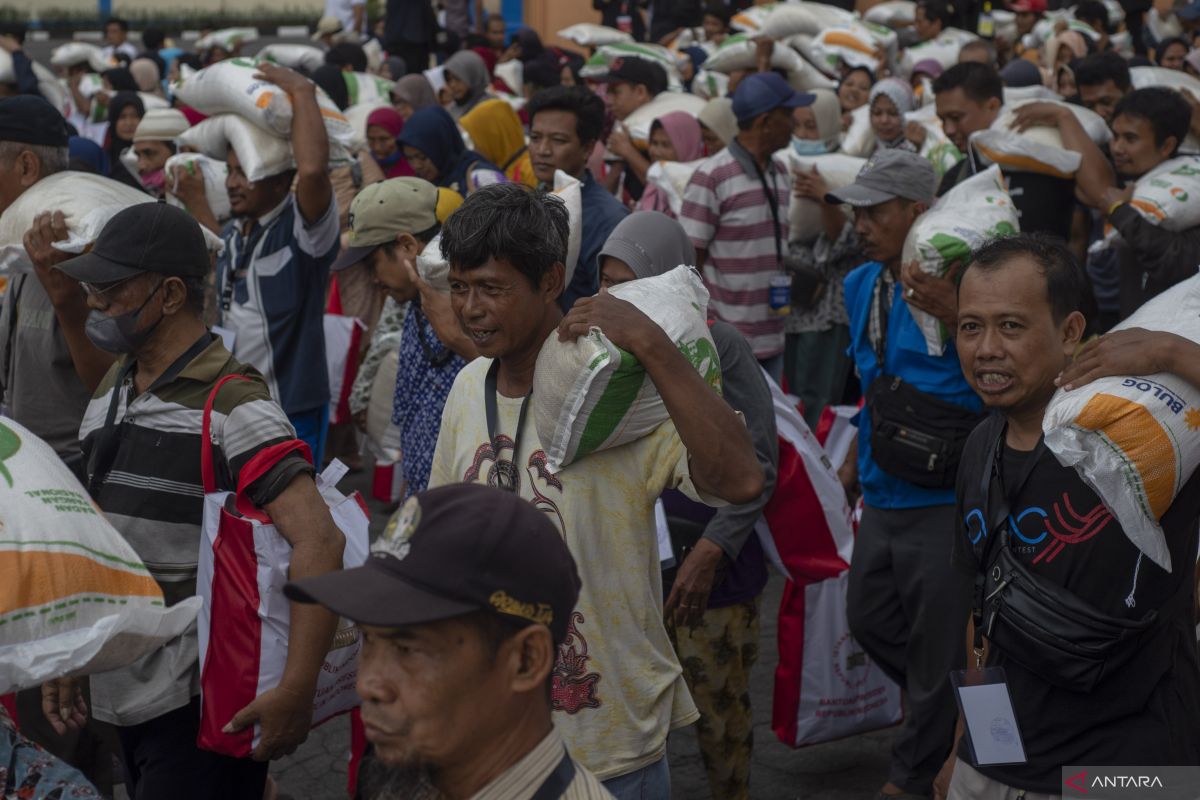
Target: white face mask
(808, 147)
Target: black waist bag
(915, 436)
(1052, 632)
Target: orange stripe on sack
(1021, 163)
(1148, 209)
(843, 39)
(743, 21)
(334, 115)
(31, 579)
(1140, 437)
(264, 99)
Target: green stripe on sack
(351, 86)
(613, 406)
(136, 566)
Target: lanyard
(746, 159)
(239, 262)
(506, 471)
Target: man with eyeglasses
(141, 438)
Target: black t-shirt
(1044, 203)
(1147, 712)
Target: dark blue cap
(766, 91)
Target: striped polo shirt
(144, 473)
(725, 212)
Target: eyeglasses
(102, 289)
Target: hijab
(684, 132)
(717, 116)
(146, 76)
(530, 42)
(416, 91)
(120, 79)
(114, 144)
(394, 166)
(397, 67)
(650, 243)
(433, 132)
(1074, 42)
(331, 79)
(828, 111)
(469, 68)
(498, 136)
(901, 94)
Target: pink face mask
(155, 181)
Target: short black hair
(190, 59)
(718, 9)
(1093, 11)
(1067, 286)
(16, 30)
(1165, 43)
(153, 38)
(120, 23)
(979, 82)
(197, 292)
(987, 47)
(1165, 109)
(587, 107)
(1097, 68)
(347, 54)
(509, 222)
(939, 10)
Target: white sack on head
(227, 38)
(213, 172)
(293, 56)
(260, 154)
(587, 34)
(638, 123)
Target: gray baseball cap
(887, 175)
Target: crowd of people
(523, 635)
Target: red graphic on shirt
(1079, 528)
(573, 688)
(503, 473)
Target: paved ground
(845, 770)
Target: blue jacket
(906, 357)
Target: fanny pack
(915, 436)
(1038, 624)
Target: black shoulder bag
(1038, 624)
(915, 436)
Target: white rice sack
(1168, 195)
(672, 177)
(87, 201)
(586, 34)
(1040, 149)
(974, 211)
(373, 50)
(152, 101)
(1145, 77)
(638, 123)
(293, 56)
(54, 90)
(710, 84)
(1161, 28)
(667, 59)
(839, 171)
(852, 45)
(227, 39)
(1135, 440)
(1018, 94)
(943, 49)
(589, 395)
(72, 53)
(512, 73)
(570, 191)
(893, 13)
(790, 19)
(261, 155)
(738, 52)
(937, 148)
(750, 20)
(357, 115)
(1006, 24)
(75, 598)
(432, 267)
(859, 139)
(229, 87)
(213, 172)
(364, 88)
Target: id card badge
(990, 725)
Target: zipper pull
(932, 463)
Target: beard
(382, 781)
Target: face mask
(154, 181)
(119, 334)
(808, 147)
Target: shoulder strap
(207, 470)
(558, 781)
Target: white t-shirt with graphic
(618, 687)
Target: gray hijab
(470, 69)
(651, 243)
(415, 90)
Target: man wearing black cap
(141, 437)
(632, 83)
(462, 604)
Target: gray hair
(52, 159)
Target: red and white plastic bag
(245, 619)
(826, 686)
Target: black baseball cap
(31, 120)
(146, 237)
(636, 70)
(451, 551)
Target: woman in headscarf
(384, 126)
(394, 68)
(146, 75)
(817, 329)
(498, 136)
(1062, 49)
(435, 150)
(718, 125)
(854, 89)
(526, 45)
(713, 623)
(673, 137)
(468, 81)
(125, 111)
(890, 100)
(412, 93)
(1171, 52)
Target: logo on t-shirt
(572, 687)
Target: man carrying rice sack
(1096, 640)
(906, 606)
(141, 442)
(1154, 220)
(618, 686)
(968, 98)
(272, 275)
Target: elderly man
(154, 143)
(463, 606)
(145, 279)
